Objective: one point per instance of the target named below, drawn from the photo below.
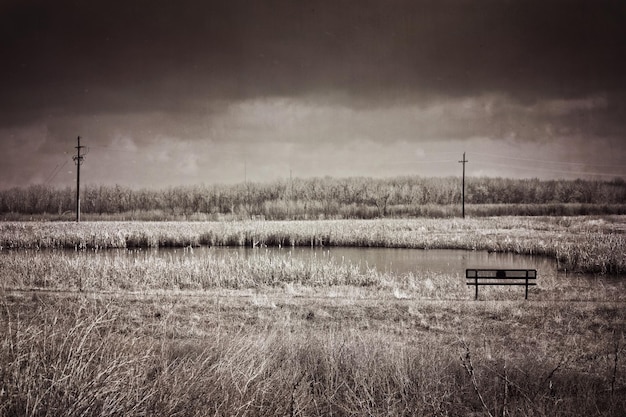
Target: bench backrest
(501, 274)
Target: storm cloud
(336, 87)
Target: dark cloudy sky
(217, 91)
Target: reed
(579, 244)
(264, 271)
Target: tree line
(326, 197)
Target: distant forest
(322, 198)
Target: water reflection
(389, 260)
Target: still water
(394, 261)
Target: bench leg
(476, 285)
(526, 297)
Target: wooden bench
(523, 277)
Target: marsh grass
(58, 270)
(267, 273)
(579, 244)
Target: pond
(387, 260)
(398, 263)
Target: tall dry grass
(76, 356)
(151, 272)
(59, 270)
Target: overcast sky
(185, 92)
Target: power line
(109, 148)
(54, 170)
(54, 173)
(137, 150)
(558, 171)
(424, 162)
(549, 161)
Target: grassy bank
(273, 355)
(582, 244)
(265, 272)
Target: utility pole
(78, 160)
(290, 195)
(464, 161)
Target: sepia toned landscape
(92, 334)
(261, 208)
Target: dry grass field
(82, 335)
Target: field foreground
(86, 335)
(276, 353)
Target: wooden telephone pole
(78, 160)
(464, 161)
